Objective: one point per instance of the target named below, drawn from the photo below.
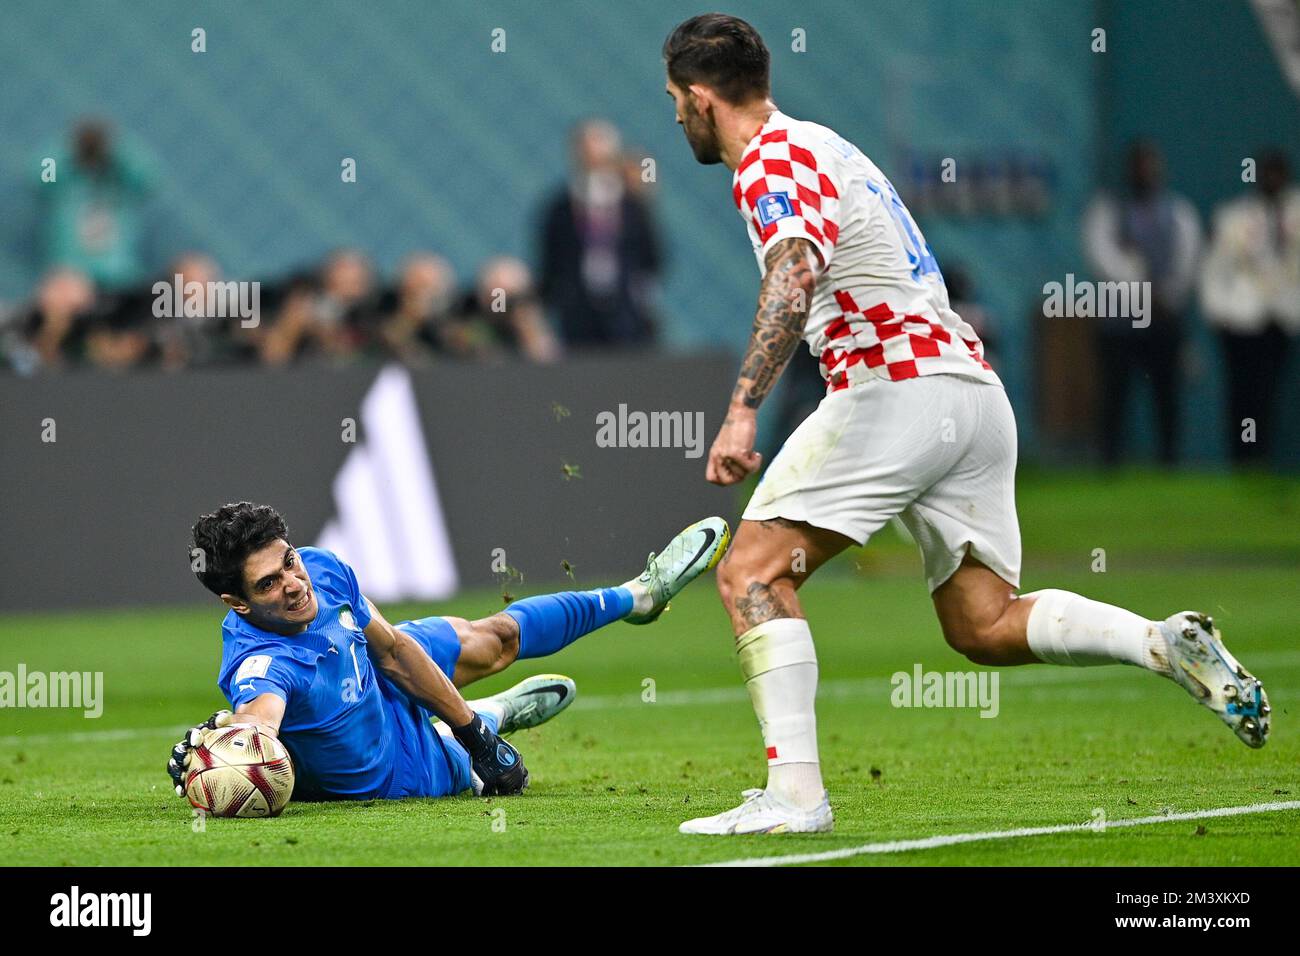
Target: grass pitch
(614, 775)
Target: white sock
(1068, 629)
(489, 707)
(779, 664)
(642, 602)
(479, 707)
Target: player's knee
(755, 590)
(976, 641)
(500, 637)
(726, 584)
(487, 646)
(736, 576)
(508, 635)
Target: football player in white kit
(914, 424)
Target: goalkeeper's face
(701, 131)
(278, 595)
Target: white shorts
(939, 451)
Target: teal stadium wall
(457, 146)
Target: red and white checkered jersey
(880, 308)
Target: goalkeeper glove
(180, 756)
(497, 764)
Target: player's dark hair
(722, 52)
(225, 539)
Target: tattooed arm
(783, 302)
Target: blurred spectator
(1250, 292)
(1150, 234)
(600, 257)
(94, 213)
(418, 320)
(331, 315)
(121, 334)
(187, 340)
(504, 316)
(49, 332)
(296, 332)
(347, 307)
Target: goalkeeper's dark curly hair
(225, 538)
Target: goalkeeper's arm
(407, 664)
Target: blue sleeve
(258, 674)
(329, 571)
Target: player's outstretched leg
(984, 619)
(550, 622)
(547, 623)
(1065, 628)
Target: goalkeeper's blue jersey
(352, 734)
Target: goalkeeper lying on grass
(308, 658)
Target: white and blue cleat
(695, 550)
(1204, 668)
(761, 812)
(531, 702)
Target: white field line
(1038, 683)
(94, 736)
(953, 839)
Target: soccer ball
(237, 771)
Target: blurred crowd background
(595, 285)
(537, 201)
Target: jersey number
(352, 688)
(917, 249)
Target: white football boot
(695, 550)
(763, 813)
(1205, 669)
(532, 701)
